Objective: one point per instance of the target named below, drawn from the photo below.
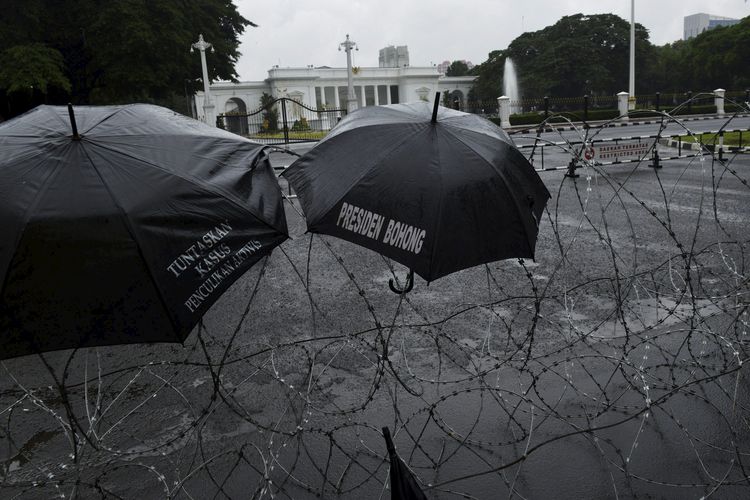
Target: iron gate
(282, 121)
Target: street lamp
(350, 99)
(208, 107)
(631, 87)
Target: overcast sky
(295, 33)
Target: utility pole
(351, 101)
(631, 87)
(208, 107)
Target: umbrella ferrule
(73, 125)
(389, 441)
(435, 107)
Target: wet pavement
(611, 366)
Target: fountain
(510, 85)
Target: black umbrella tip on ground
(435, 107)
(73, 125)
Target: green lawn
(310, 134)
(730, 138)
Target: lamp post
(631, 86)
(208, 107)
(350, 98)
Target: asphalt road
(608, 367)
(679, 127)
(557, 155)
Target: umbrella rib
(455, 122)
(107, 117)
(65, 124)
(203, 187)
(27, 214)
(505, 181)
(441, 200)
(133, 234)
(30, 155)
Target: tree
(719, 57)
(575, 56)
(590, 55)
(119, 52)
(457, 68)
(31, 71)
(270, 113)
(670, 70)
(489, 82)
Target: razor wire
(614, 362)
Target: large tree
(577, 55)
(111, 52)
(457, 68)
(590, 55)
(719, 57)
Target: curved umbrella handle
(407, 287)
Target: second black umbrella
(436, 191)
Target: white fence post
(622, 105)
(719, 101)
(503, 103)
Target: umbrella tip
(73, 125)
(389, 441)
(435, 107)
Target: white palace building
(325, 87)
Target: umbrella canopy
(126, 230)
(435, 195)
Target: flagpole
(208, 107)
(631, 86)
(351, 100)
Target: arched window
(296, 110)
(456, 100)
(235, 112)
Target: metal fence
(569, 154)
(282, 121)
(583, 104)
(285, 120)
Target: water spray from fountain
(510, 85)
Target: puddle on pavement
(22, 457)
(646, 314)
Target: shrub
(300, 125)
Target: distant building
(394, 57)
(698, 23)
(443, 66)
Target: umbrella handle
(407, 287)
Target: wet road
(609, 367)
(679, 127)
(556, 156)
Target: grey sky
(295, 33)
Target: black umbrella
(436, 189)
(403, 484)
(127, 232)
